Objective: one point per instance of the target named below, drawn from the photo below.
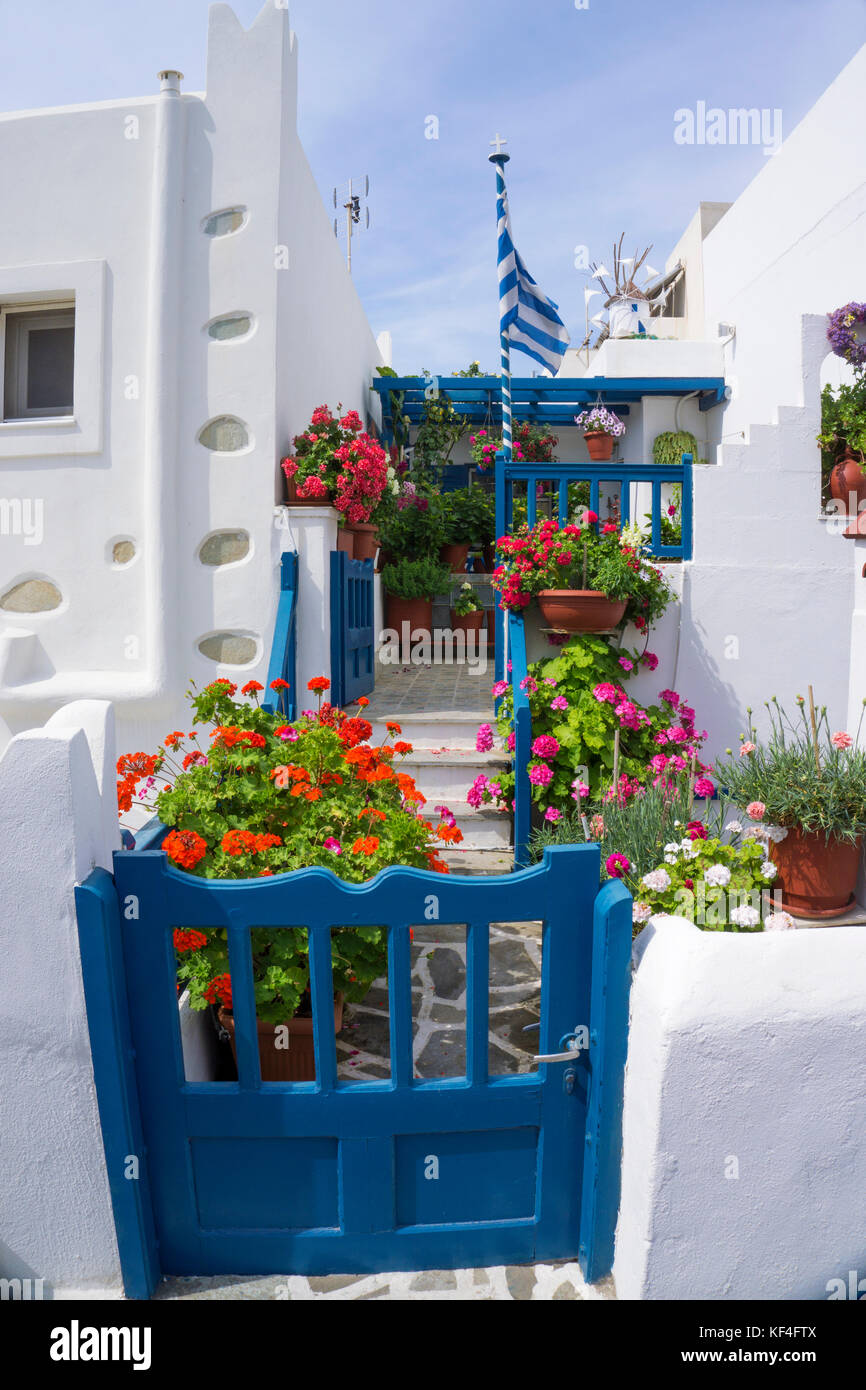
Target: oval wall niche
(31, 596)
(123, 553)
(230, 648)
(230, 326)
(224, 222)
(225, 434)
(224, 548)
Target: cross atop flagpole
(499, 158)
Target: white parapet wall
(744, 1168)
(56, 1222)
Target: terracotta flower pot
(580, 610)
(816, 877)
(297, 1062)
(346, 541)
(600, 446)
(366, 540)
(454, 556)
(417, 612)
(294, 498)
(846, 477)
(467, 622)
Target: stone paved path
(458, 689)
(439, 1006)
(555, 1282)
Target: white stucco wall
(744, 1171)
(56, 1221)
(131, 634)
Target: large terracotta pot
(417, 612)
(346, 541)
(366, 540)
(816, 878)
(454, 556)
(600, 446)
(580, 610)
(294, 499)
(848, 477)
(467, 622)
(297, 1062)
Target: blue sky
(586, 98)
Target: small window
(39, 362)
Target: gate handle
(568, 1041)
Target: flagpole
(499, 160)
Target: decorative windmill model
(625, 286)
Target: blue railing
(284, 648)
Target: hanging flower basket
(843, 335)
(600, 428)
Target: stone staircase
(444, 764)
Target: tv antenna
(356, 215)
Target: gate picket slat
(477, 1002)
(400, 1003)
(322, 991)
(243, 1007)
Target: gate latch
(569, 1042)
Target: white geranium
(658, 881)
(734, 827)
(779, 921)
(776, 833)
(745, 916)
(769, 870)
(641, 912)
(671, 853)
(690, 849)
(717, 876)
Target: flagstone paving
(457, 689)
(559, 1281)
(439, 1006)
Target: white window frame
(64, 307)
(82, 285)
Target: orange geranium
(184, 848)
(368, 844)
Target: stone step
(444, 774)
(451, 729)
(486, 828)
(477, 862)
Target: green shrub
(410, 579)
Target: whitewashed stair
(444, 764)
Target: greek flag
(526, 316)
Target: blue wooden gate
(353, 655)
(247, 1177)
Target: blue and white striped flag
(526, 316)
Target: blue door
(321, 1177)
(352, 637)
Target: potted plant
(529, 444)
(411, 586)
(583, 581)
(808, 787)
(670, 445)
(258, 797)
(411, 526)
(600, 428)
(843, 441)
(468, 520)
(337, 462)
(467, 615)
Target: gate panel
(342, 1177)
(352, 636)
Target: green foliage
(805, 783)
(669, 447)
(843, 424)
(469, 516)
(401, 428)
(413, 528)
(440, 430)
(717, 885)
(467, 601)
(410, 579)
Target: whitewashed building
(173, 305)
